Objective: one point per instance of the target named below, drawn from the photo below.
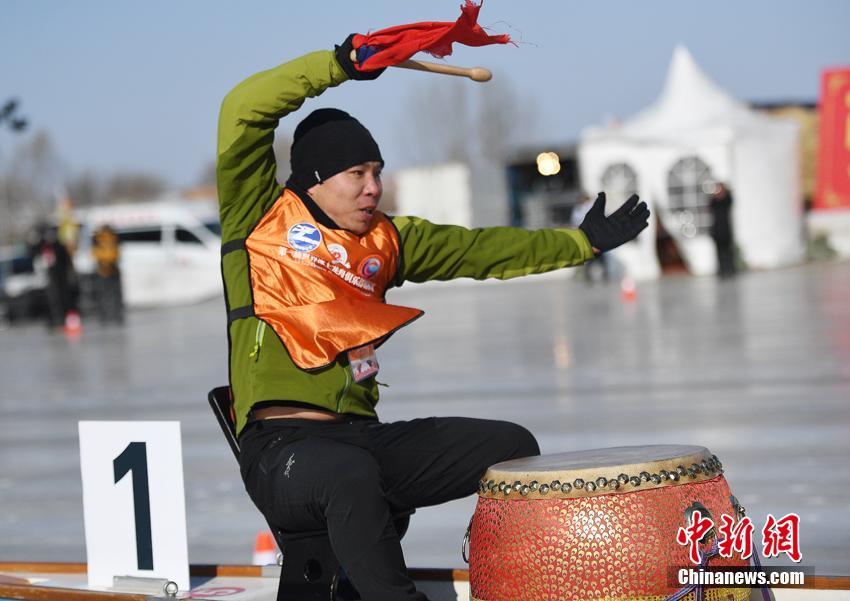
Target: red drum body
(594, 524)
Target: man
(107, 280)
(721, 230)
(53, 257)
(306, 270)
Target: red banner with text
(833, 182)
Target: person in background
(68, 230)
(51, 255)
(721, 230)
(107, 284)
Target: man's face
(350, 197)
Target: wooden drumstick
(479, 74)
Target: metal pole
(16, 124)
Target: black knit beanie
(325, 143)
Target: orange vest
(321, 289)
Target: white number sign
(133, 501)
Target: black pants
(350, 476)
(725, 257)
(109, 299)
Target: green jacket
(260, 367)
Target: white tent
(672, 152)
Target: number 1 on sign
(134, 458)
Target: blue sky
(124, 85)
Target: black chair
(310, 570)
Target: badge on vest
(363, 362)
(339, 254)
(304, 236)
(370, 266)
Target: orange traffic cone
(265, 550)
(73, 324)
(628, 289)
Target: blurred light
(563, 358)
(548, 163)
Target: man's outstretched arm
(444, 252)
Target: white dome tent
(673, 151)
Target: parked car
(22, 287)
(170, 250)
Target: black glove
(619, 227)
(343, 57)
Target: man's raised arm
(245, 165)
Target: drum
(598, 524)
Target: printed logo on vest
(370, 266)
(339, 254)
(304, 237)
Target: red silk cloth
(833, 175)
(393, 45)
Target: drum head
(600, 471)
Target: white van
(170, 249)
